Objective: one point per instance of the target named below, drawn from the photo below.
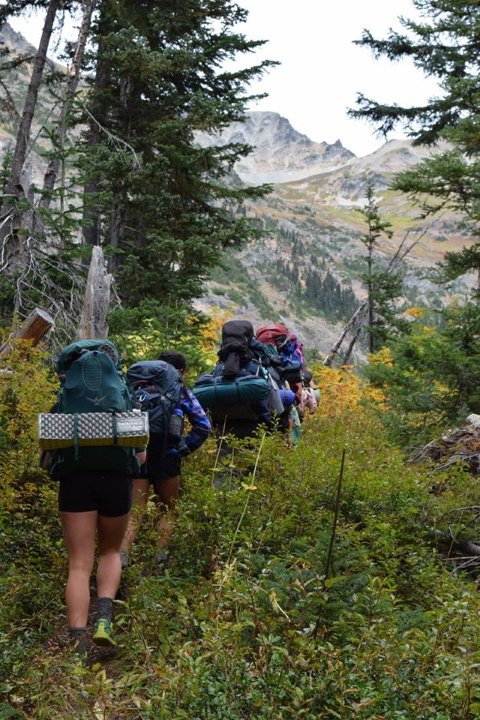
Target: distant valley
(312, 231)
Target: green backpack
(92, 381)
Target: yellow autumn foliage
(342, 391)
(382, 357)
(27, 387)
(414, 312)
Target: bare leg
(79, 535)
(111, 531)
(141, 487)
(167, 491)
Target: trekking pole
(219, 450)
(334, 529)
(335, 515)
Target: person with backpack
(95, 484)
(287, 367)
(161, 391)
(308, 402)
(237, 392)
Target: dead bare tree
(357, 322)
(14, 255)
(330, 358)
(357, 330)
(14, 187)
(93, 322)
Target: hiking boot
(122, 592)
(124, 559)
(161, 559)
(102, 633)
(78, 640)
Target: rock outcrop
(280, 153)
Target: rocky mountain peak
(281, 154)
(12, 40)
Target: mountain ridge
(280, 153)
(311, 227)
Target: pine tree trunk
(13, 186)
(51, 173)
(370, 298)
(92, 218)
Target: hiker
(162, 469)
(95, 487)
(282, 410)
(285, 352)
(237, 394)
(237, 391)
(286, 367)
(292, 364)
(308, 400)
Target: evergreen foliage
(317, 290)
(443, 45)
(141, 333)
(133, 177)
(325, 294)
(157, 199)
(430, 376)
(383, 286)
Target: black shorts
(157, 469)
(108, 492)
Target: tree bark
(93, 322)
(51, 173)
(92, 217)
(13, 186)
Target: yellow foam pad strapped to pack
(60, 430)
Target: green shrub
(245, 622)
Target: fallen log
(446, 539)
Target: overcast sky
(321, 70)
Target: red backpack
(272, 334)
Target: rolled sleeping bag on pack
(272, 334)
(212, 392)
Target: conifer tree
(383, 286)
(20, 234)
(445, 45)
(159, 201)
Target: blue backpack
(157, 386)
